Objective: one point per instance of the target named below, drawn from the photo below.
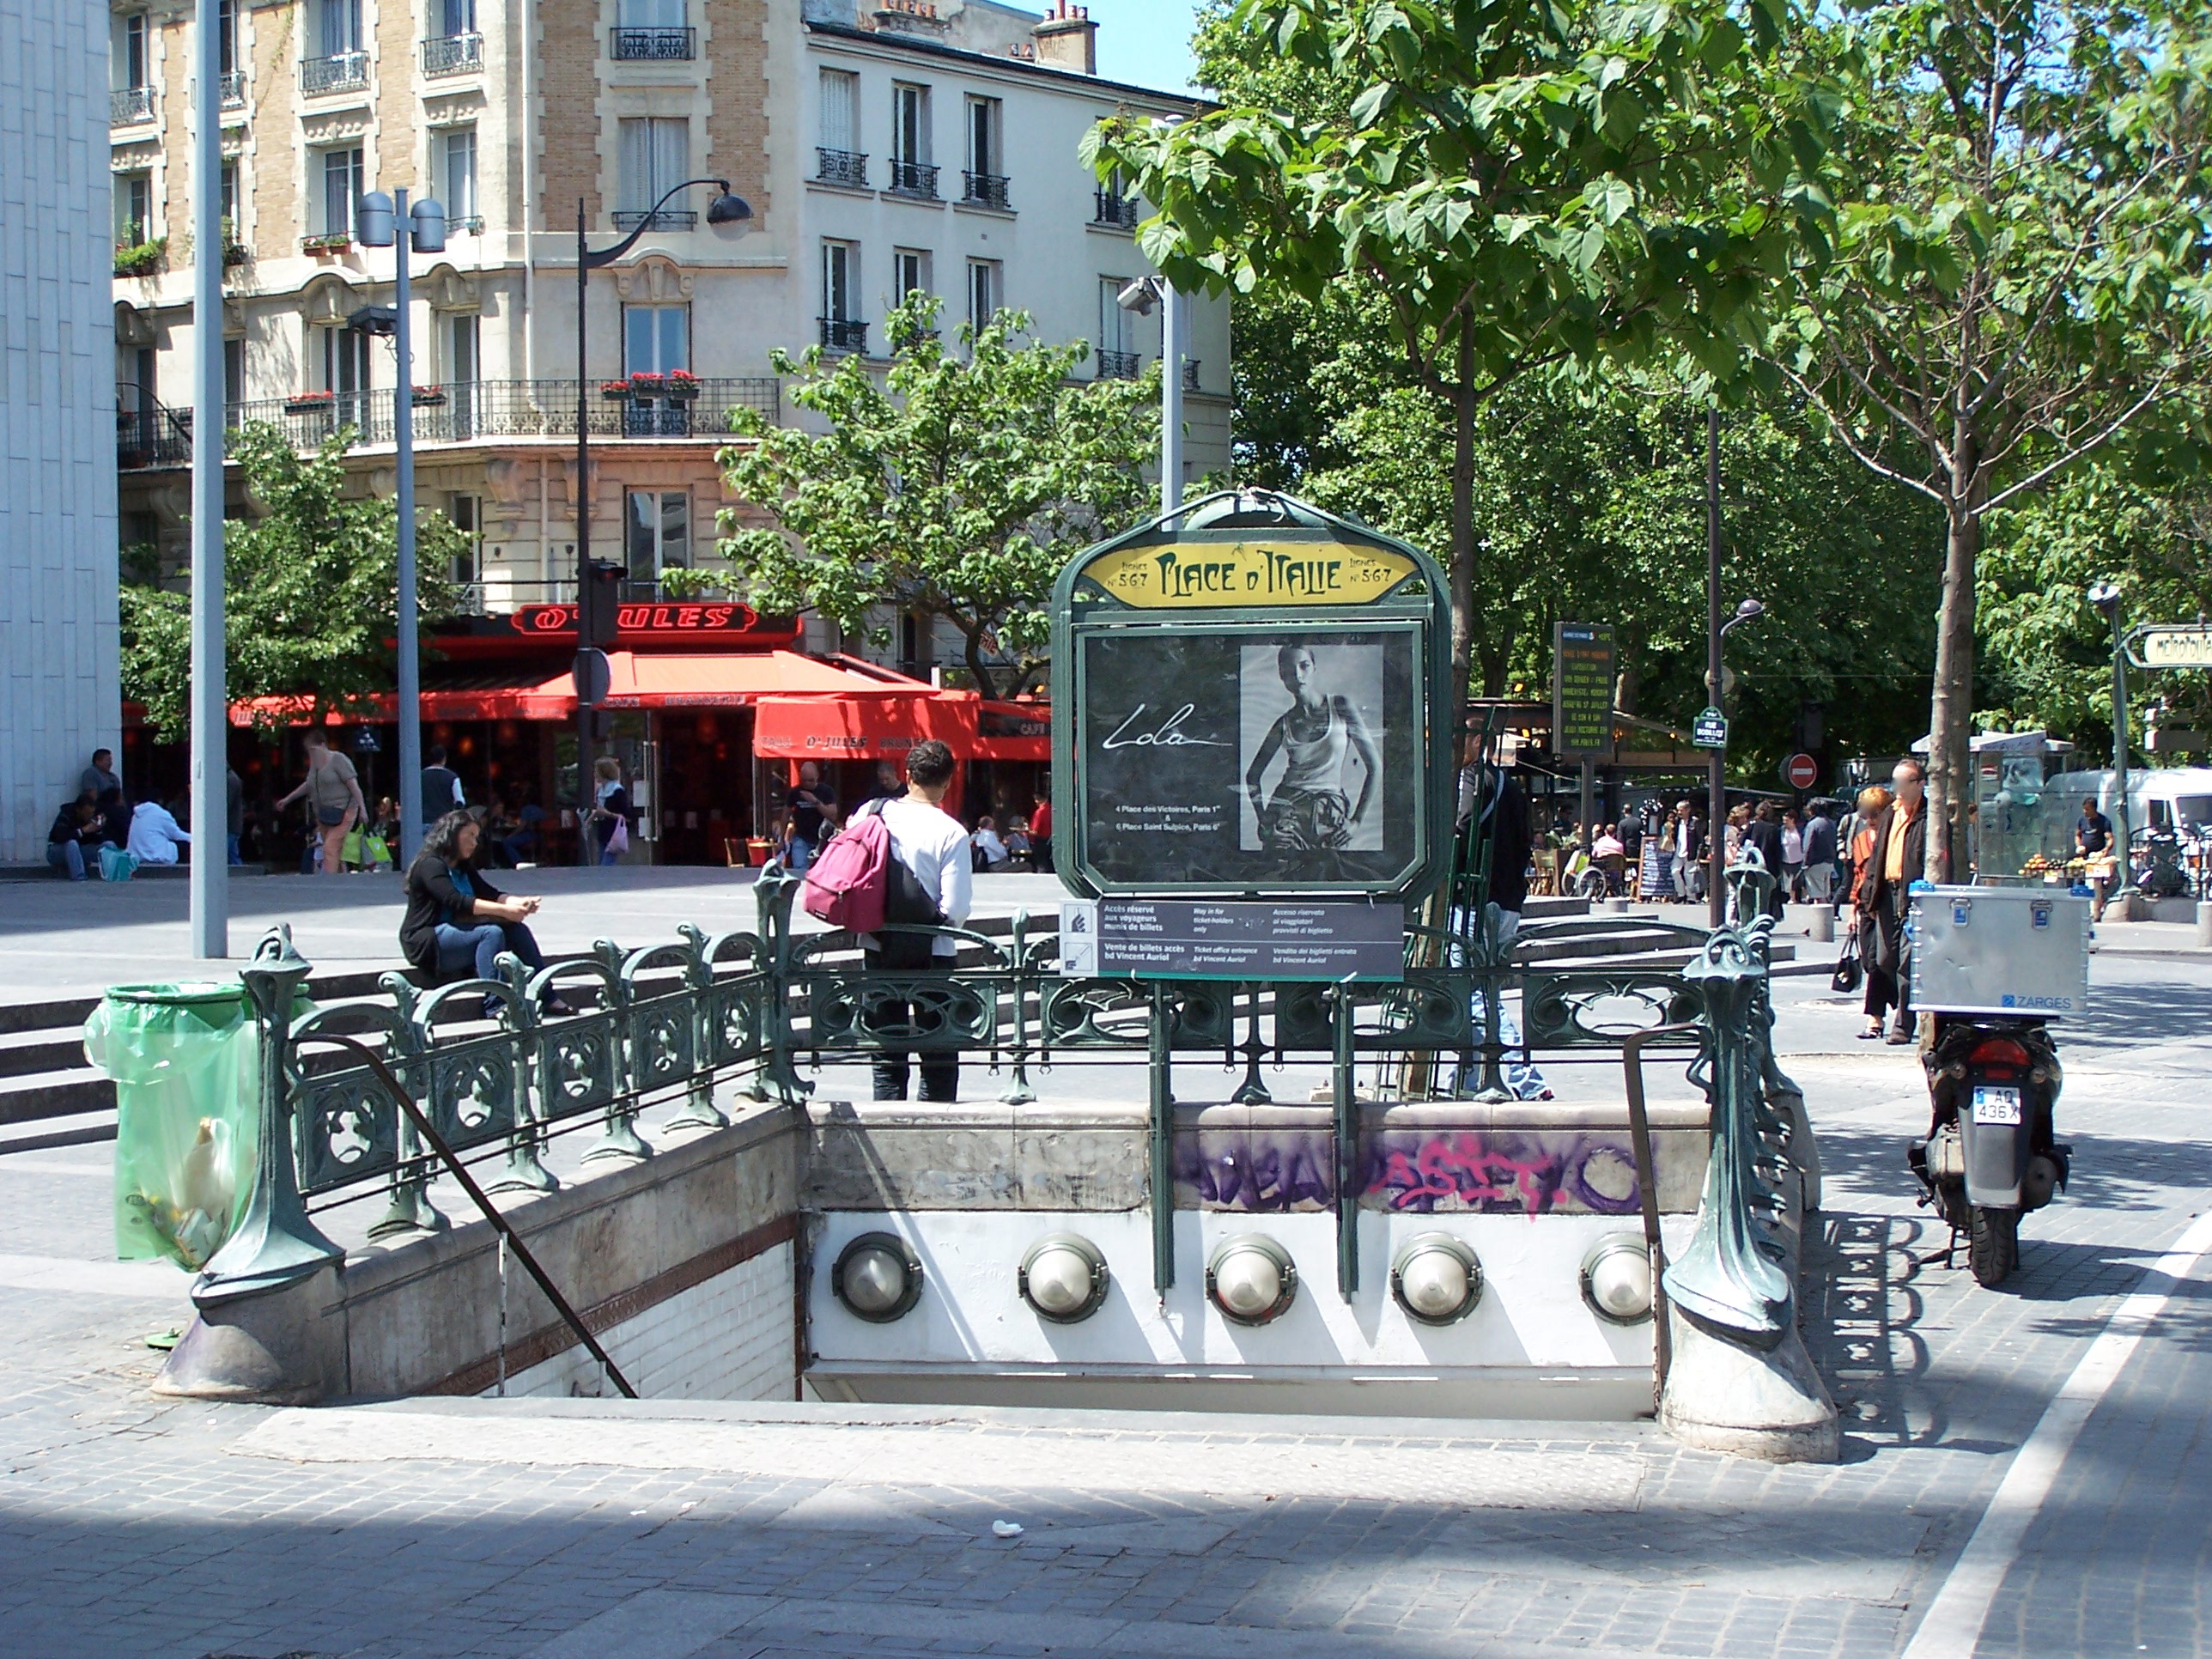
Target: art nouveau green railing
(669, 1024)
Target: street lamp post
(727, 216)
(2106, 596)
(210, 701)
(379, 216)
(1140, 296)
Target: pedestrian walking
(441, 786)
(1688, 844)
(1896, 857)
(930, 846)
(1041, 830)
(1762, 832)
(609, 824)
(812, 808)
(2093, 844)
(333, 791)
(1819, 856)
(1793, 855)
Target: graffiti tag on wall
(1424, 1172)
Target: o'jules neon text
(1278, 575)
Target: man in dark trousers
(1899, 856)
(1764, 833)
(442, 788)
(1820, 854)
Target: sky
(1145, 42)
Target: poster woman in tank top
(1326, 796)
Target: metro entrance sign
(1245, 698)
(2172, 647)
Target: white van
(2177, 798)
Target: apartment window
(912, 174)
(659, 532)
(338, 27)
(909, 273)
(463, 359)
(985, 294)
(226, 28)
(656, 338)
(465, 514)
(839, 160)
(456, 17)
(134, 208)
(234, 373)
(987, 165)
(1118, 357)
(345, 368)
(456, 174)
(134, 59)
(652, 30)
(453, 47)
(131, 98)
(344, 178)
(656, 156)
(842, 327)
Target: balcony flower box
(615, 391)
(680, 386)
(647, 385)
(330, 242)
(428, 396)
(311, 402)
(143, 259)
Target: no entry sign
(1801, 771)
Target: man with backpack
(899, 861)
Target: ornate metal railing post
(1160, 1048)
(411, 1209)
(699, 1110)
(1252, 1090)
(619, 1138)
(773, 895)
(525, 1172)
(275, 1243)
(1018, 1091)
(1344, 1135)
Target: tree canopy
(953, 483)
(310, 591)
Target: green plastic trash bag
(187, 1073)
(116, 864)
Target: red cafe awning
(1014, 731)
(863, 727)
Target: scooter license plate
(1995, 1105)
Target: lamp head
(427, 226)
(374, 320)
(1749, 609)
(372, 220)
(728, 214)
(2106, 596)
(1140, 296)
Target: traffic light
(599, 606)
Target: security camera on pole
(379, 218)
(728, 215)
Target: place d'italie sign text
(1215, 576)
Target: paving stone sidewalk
(159, 1529)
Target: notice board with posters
(1581, 690)
(1247, 702)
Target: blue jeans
(67, 855)
(476, 950)
(234, 858)
(798, 855)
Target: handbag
(1849, 970)
(330, 816)
(618, 837)
(349, 848)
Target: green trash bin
(186, 1068)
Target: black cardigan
(433, 898)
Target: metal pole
(1588, 798)
(1716, 772)
(403, 433)
(583, 549)
(2120, 757)
(210, 701)
(1170, 397)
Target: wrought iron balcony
(914, 178)
(452, 54)
(1119, 365)
(843, 334)
(840, 166)
(230, 90)
(149, 435)
(345, 71)
(987, 190)
(128, 106)
(1118, 211)
(666, 219)
(655, 46)
(465, 224)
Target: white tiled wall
(728, 1339)
(58, 692)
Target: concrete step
(56, 1094)
(76, 1129)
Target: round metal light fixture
(1250, 1279)
(878, 1278)
(729, 215)
(1063, 1277)
(1437, 1279)
(1616, 1279)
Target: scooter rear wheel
(1993, 1245)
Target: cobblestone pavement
(597, 1530)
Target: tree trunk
(1951, 709)
(973, 639)
(1462, 529)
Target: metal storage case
(2000, 950)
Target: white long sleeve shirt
(932, 844)
(154, 834)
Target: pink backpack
(846, 885)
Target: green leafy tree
(1518, 186)
(311, 590)
(954, 483)
(2017, 277)
(2046, 654)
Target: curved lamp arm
(726, 208)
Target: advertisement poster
(1252, 757)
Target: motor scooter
(1991, 1155)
